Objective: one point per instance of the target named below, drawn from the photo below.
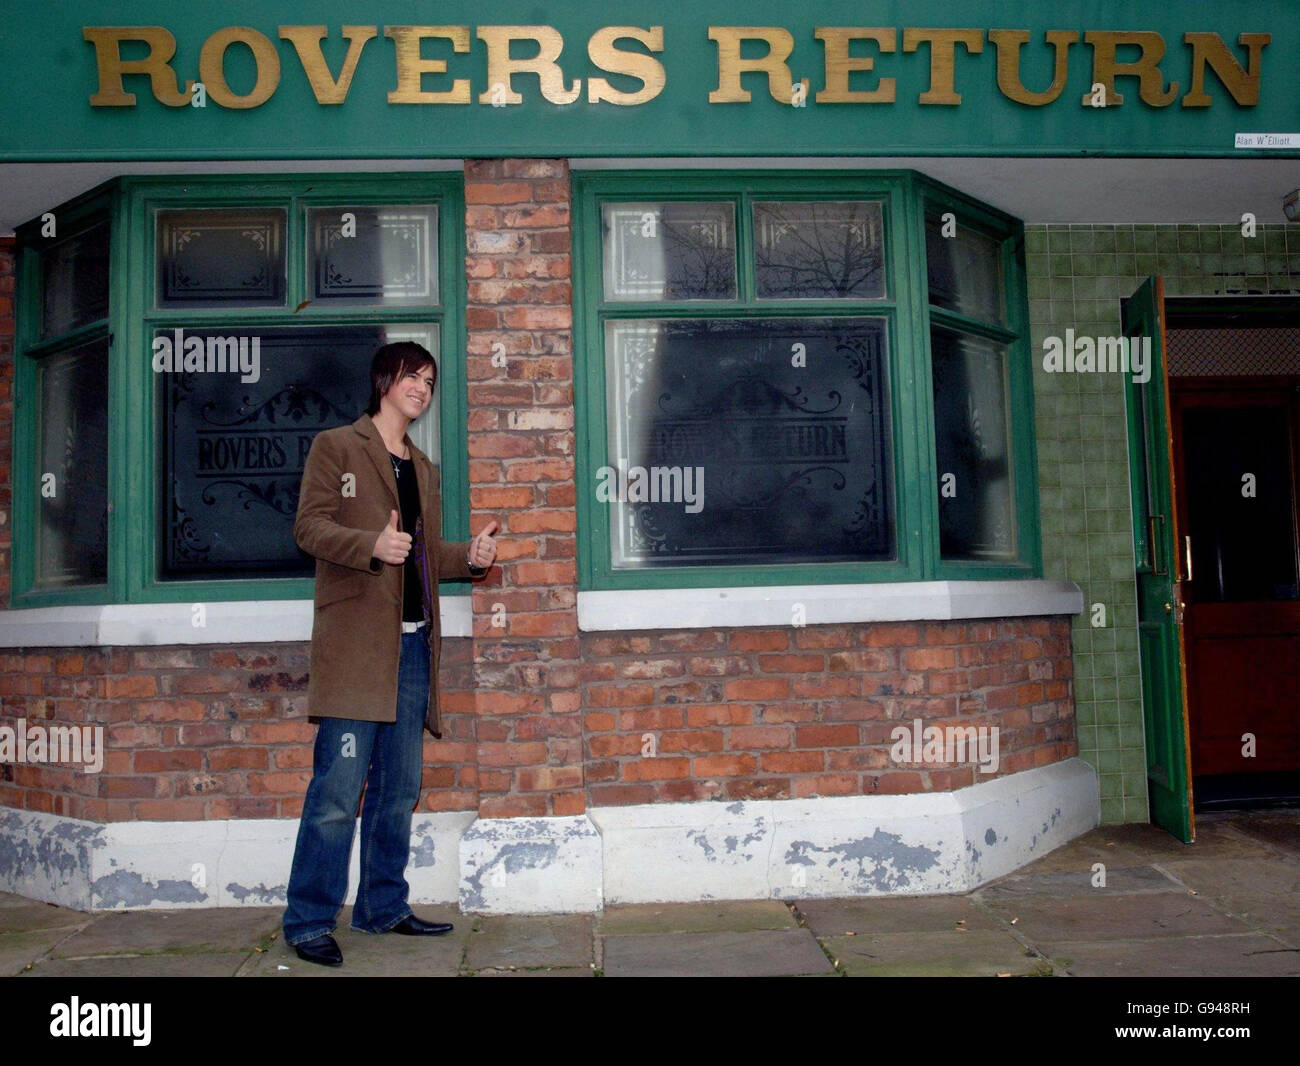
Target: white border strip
(272, 621)
(902, 601)
(148, 624)
(843, 846)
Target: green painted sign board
(376, 79)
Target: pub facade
(892, 430)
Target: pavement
(1228, 905)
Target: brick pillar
(521, 445)
(8, 257)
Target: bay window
(799, 378)
(181, 344)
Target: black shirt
(408, 494)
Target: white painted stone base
(531, 866)
(672, 852)
(231, 863)
(912, 844)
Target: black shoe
(413, 926)
(324, 950)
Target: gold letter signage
(857, 64)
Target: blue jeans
(347, 753)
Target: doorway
(1234, 393)
(1214, 450)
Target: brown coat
(357, 627)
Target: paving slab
(370, 955)
(1131, 880)
(12, 899)
(1264, 895)
(979, 953)
(929, 914)
(1108, 915)
(1211, 877)
(1279, 831)
(736, 916)
(541, 971)
(214, 964)
(28, 915)
(1266, 915)
(1215, 839)
(526, 940)
(19, 949)
(763, 953)
(190, 931)
(1249, 955)
(1097, 845)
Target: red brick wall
(197, 732)
(783, 713)
(222, 732)
(521, 473)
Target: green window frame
(129, 205)
(1008, 235)
(905, 198)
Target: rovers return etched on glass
(232, 453)
(749, 441)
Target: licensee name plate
(1266, 140)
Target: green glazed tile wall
(1077, 276)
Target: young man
(369, 511)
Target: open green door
(1160, 606)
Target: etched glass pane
(965, 270)
(972, 431)
(748, 441)
(221, 257)
(819, 250)
(670, 251)
(234, 441)
(72, 479)
(74, 281)
(374, 255)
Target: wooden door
(1235, 448)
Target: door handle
(1187, 555)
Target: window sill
(903, 601)
(146, 624)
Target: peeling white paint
(926, 843)
(531, 866)
(227, 863)
(921, 843)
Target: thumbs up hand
(483, 549)
(392, 545)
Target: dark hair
(391, 363)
